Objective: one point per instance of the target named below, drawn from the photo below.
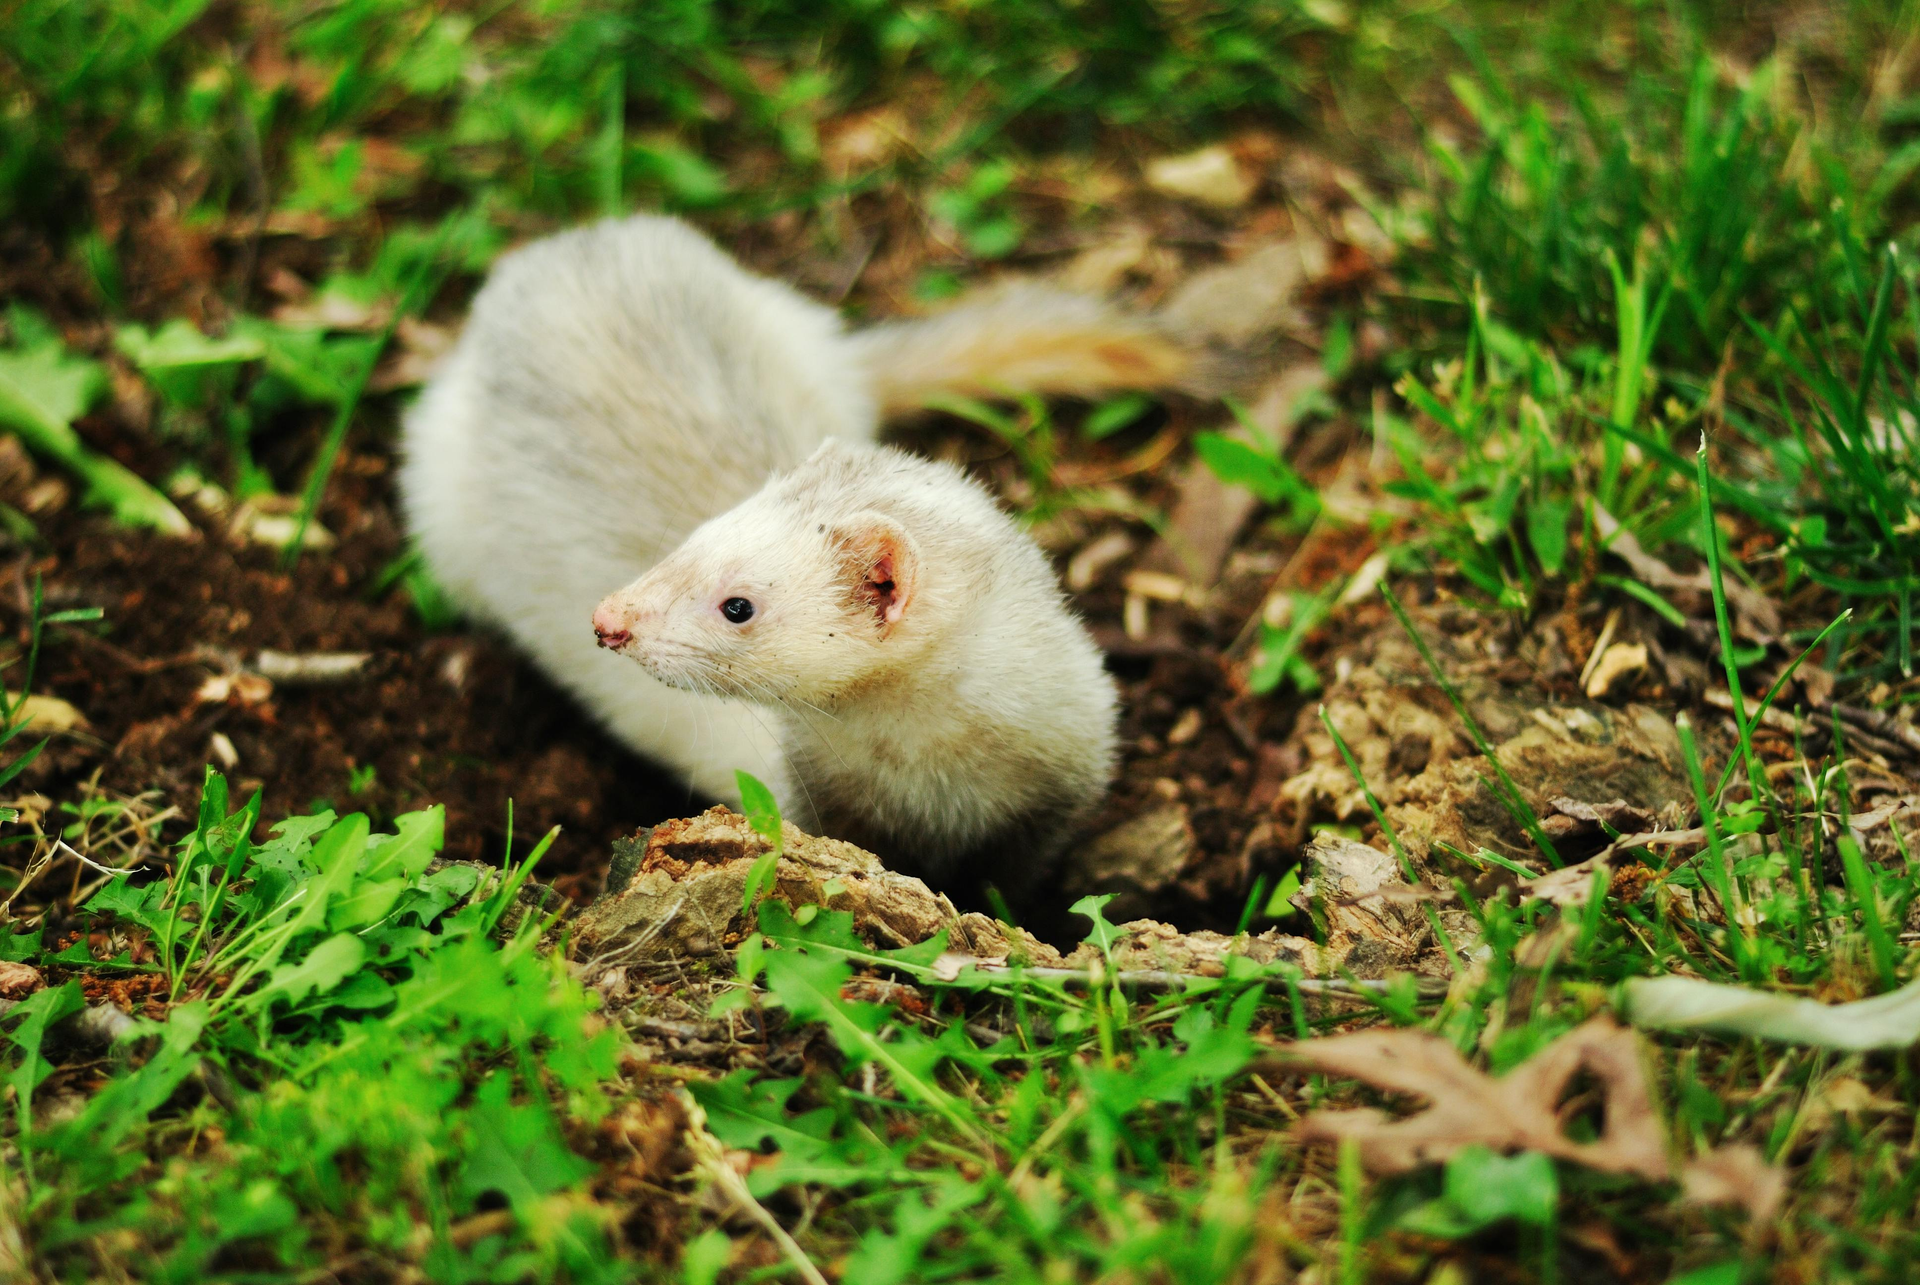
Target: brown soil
(449, 718)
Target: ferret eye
(737, 610)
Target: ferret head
(774, 601)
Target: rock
(1210, 176)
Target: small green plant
(977, 210)
(43, 389)
(379, 1014)
(762, 811)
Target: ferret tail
(1026, 338)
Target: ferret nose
(608, 630)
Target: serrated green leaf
(325, 967)
(747, 1114)
(515, 1150)
(760, 808)
(31, 1017)
(809, 988)
(135, 905)
(1482, 1188)
(406, 853)
(366, 902)
(43, 387)
(1102, 934)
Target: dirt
(449, 718)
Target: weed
(372, 1020)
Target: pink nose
(608, 630)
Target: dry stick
(712, 1159)
(1160, 979)
(34, 870)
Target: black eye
(738, 610)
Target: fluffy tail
(1023, 338)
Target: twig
(293, 669)
(1161, 980)
(712, 1160)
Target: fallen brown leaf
(1737, 1174)
(1517, 1111)
(1571, 818)
(1521, 1110)
(1755, 615)
(17, 981)
(1570, 886)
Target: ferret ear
(880, 563)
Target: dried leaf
(1202, 528)
(1617, 662)
(1570, 886)
(17, 981)
(1570, 818)
(1755, 615)
(1517, 1111)
(1737, 1174)
(1520, 1111)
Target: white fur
(620, 385)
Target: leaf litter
(1521, 1110)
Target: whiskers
(706, 678)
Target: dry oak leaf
(1517, 1111)
(17, 981)
(1520, 1110)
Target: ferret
(864, 630)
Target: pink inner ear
(883, 591)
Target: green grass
(1618, 233)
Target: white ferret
(864, 630)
